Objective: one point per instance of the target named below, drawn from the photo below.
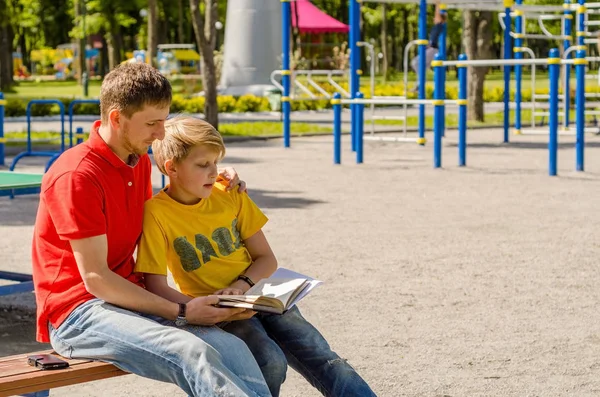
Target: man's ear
(115, 119)
(171, 168)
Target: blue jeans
(276, 340)
(203, 361)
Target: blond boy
(211, 240)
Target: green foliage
(251, 103)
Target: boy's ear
(170, 168)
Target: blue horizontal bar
(16, 288)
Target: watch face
(180, 322)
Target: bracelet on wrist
(246, 279)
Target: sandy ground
(476, 281)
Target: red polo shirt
(87, 192)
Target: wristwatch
(181, 321)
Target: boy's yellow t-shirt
(202, 244)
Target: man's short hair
(129, 87)
(182, 134)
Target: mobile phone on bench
(46, 361)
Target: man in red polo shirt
(90, 302)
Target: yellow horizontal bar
(517, 132)
(285, 1)
(437, 63)
(582, 47)
(443, 7)
(553, 61)
(519, 36)
(3, 140)
(566, 6)
(422, 42)
(2, 102)
(462, 101)
(336, 101)
(580, 61)
(518, 13)
(80, 135)
(508, 3)
(286, 72)
(285, 99)
(461, 65)
(421, 141)
(518, 49)
(581, 34)
(438, 102)
(359, 72)
(581, 9)
(568, 16)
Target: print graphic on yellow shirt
(202, 244)
(222, 237)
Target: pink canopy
(313, 20)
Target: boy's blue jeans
(276, 340)
(203, 361)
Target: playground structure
(65, 140)
(508, 10)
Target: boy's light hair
(182, 133)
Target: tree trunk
(384, 43)
(205, 35)
(6, 64)
(152, 31)
(81, 63)
(180, 36)
(477, 42)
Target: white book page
(286, 273)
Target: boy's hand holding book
(275, 294)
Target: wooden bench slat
(18, 377)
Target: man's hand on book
(202, 311)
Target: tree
(205, 32)
(79, 8)
(6, 38)
(477, 42)
(152, 31)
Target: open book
(275, 294)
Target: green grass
(33, 89)
(491, 119)
(69, 89)
(269, 128)
(249, 129)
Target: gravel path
(476, 281)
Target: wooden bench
(19, 378)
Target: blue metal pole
(79, 134)
(580, 64)
(286, 72)
(581, 10)
(422, 66)
(353, 126)
(462, 112)
(438, 113)
(354, 17)
(554, 70)
(337, 128)
(2, 138)
(507, 55)
(442, 51)
(360, 113)
(568, 31)
(518, 68)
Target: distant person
(211, 241)
(439, 21)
